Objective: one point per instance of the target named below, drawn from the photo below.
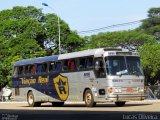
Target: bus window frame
(85, 68)
(68, 69)
(26, 71)
(49, 65)
(22, 70)
(59, 61)
(31, 73)
(43, 71)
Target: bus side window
(85, 63)
(71, 65)
(20, 70)
(26, 69)
(89, 62)
(39, 68)
(65, 65)
(81, 64)
(33, 69)
(52, 66)
(58, 66)
(42, 68)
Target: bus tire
(88, 98)
(31, 100)
(120, 104)
(57, 104)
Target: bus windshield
(123, 65)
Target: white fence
(153, 92)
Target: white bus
(93, 76)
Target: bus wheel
(89, 100)
(31, 100)
(120, 104)
(57, 104)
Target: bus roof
(36, 60)
(92, 52)
(77, 54)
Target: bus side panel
(45, 85)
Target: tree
(26, 32)
(30, 23)
(151, 25)
(150, 57)
(125, 39)
(16, 49)
(70, 41)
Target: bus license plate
(129, 89)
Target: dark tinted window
(85, 63)
(20, 70)
(41, 68)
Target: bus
(90, 76)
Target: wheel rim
(30, 99)
(88, 98)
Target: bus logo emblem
(61, 85)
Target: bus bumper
(125, 97)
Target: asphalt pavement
(131, 111)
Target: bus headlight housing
(117, 90)
(110, 90)
(141, 90)
(114, 90)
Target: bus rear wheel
(88, 98)
(31, 100)
(120, 104)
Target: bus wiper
(121, 72)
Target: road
(145, 110)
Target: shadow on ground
(97, 105)
(75, 115)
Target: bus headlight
(110, 90)
(141, 90)
(114, 89)
(117, 90)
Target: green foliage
(154, 12)
(120, 38)
(150, 54)
(69, 39)
(150, 57)
(26, 32)
(152, 24)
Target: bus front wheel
(120, 104)
(31, 100)
(88, 98)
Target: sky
(82, 15)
